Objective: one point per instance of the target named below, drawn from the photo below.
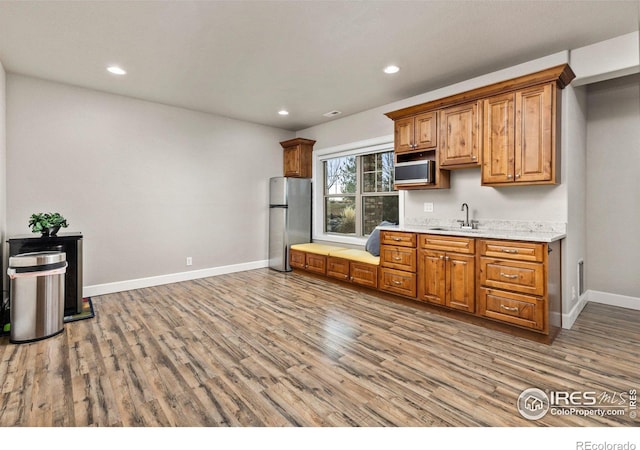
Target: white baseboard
(127, 285)
(569, 318)
(623, 301)
(606, 298)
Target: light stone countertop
(532, 232)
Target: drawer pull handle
(511, 277)
(508, 250)
(397, 239)
(509, 308)
(397, 283)
(397, 258)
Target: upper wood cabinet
(415, 133)
(509, 129)
(460, 136)
(297, 157)
(519, 139)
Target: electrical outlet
(189, 260)
(573, 292)
(428, 207)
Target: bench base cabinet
(353, 271)
(513, 282)
(308, 261)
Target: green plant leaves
(40, 222)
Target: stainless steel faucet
(465, 223)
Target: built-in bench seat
(356, 266)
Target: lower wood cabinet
(364, 274)
(519, 283)
(518, 276)
(353, 271)
(523, 310)
(447, 271)
(398, 282)
(447, 279)
(398, 263)
(308, 261)
(514, 282)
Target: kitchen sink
(457, 230)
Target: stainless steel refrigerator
(289, 218)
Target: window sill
(337, 239)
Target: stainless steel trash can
(37, 295)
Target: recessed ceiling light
(283, 112)
(116, 70)
(391, 69)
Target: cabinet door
(533, 134)
(403, 135)
(364, 274)
(292, 162)
(460, 283)
(425, 131)
(459, 135)
(297, 259)
(498, 143)
(338, 268)
(316, 263)
(431, 277)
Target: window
(358, 193)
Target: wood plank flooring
(262, 348)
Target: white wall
(147, 184)
(613, 187)
(574, 111)
(3, 171)
(608, 59)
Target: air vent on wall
(332, 113)
(580, 277)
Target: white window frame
(375, 145)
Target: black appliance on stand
(71, 244)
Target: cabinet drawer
(518, 276)
(338, 268)
(297, 259)
(364, 274)
(448, 243)
(398, 282)
(397, 238)
(517, 309)
(401, 258)
(522, 251)
(316, 263)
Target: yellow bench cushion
(318, 249)
(356, 255)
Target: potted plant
(47, 223)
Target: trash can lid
(36, 259)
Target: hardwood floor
(262, 348)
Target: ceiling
(249, 59)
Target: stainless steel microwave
(413, 172)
